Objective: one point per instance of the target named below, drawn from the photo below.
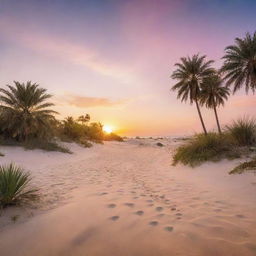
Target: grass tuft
(243, 131)
(201, 148)
(46, 145)
(14, 186)
(246, 166)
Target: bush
(14, 184)
(159, 144)
(71, 130)
(243, 131)
(113, 136)
(203, 148)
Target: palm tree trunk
(200, 115)
(217, 119)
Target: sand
(123, 199)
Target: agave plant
(24, 111)
(14, 184)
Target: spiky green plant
(239, 66)
(243, 131)
(14, 185)
(24, 112)
(190, 74)
(213, 94)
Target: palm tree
(213, 94)
(190, 74)
(239, 66)
(84, 118)
(24, 111)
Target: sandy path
(126, 199)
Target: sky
(113, 59)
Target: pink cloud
(63, 49)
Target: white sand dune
(125, 199)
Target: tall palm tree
(24, 111)
(213, 94)
(84, 118)
(239, 66)
(190, 74)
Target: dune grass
(201, 148)
(46, 145)
(243, 167)
(14, 186)
(236, 141)
(243, 131)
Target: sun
(107, 129)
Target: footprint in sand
(241, 216)
(178, 214)
(149, 201)
(111, 205)
(173, 209)
(140, 213)
(153, 223)
(159, 208)
(114, 218)
(103, 193)
(169, 229)
(129, 204)
(150, 205)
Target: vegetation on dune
(27, 120)
(190, 74)
(71, 130)
(14, 186)
(25, 117)
(201, 148)
(243, 131)
(198, 82)
(113, 136)
(24, 112)
(246, 166)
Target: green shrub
(159, 144)
(85, 143)
(243, 131)
(201, 148)
(71, 130)
(113, 136)
(14, 184)
(246, 166)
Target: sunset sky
(113, 59)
